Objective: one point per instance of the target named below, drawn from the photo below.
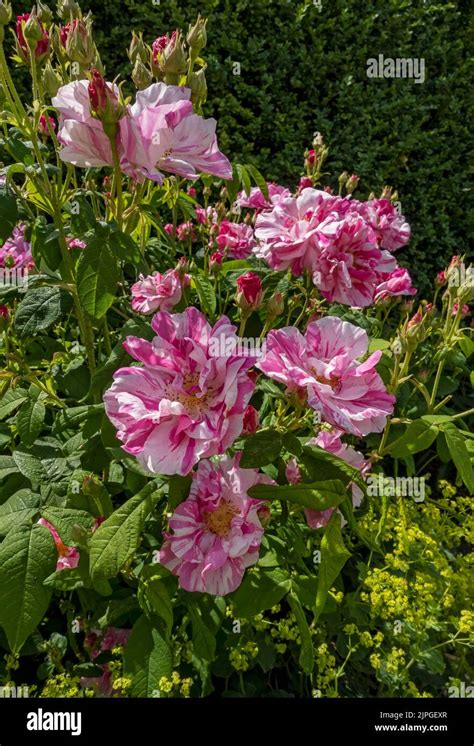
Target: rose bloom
(186, 402)
(16, 251)
(158, 291)
(256, 199)
(216, 532)
(349, 395)
(392, 229)
(349, 262)
(75, 243)
(394, 283)
(288, 234)
(160, 132)
(68, 557)
(236, 238)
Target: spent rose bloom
(158, 291)
(236, 239)
(349, 395)
(68, 557)
(216, 532)
(16, 251)
(394, 283)
(186, 402)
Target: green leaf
(116, 540)
(65, 521)
(334, 556)
(306, 658)
(457, 448)
(27, 557)
(178, 489)
(45, 245)
(206, 293)
(418, 436)
(18, 509)
(13, 399)
(97, 278)
(69, 419)
(154, 593)
(244, 178)
(8, 215)
(41, 308)
(7, 466)
(30, 417)
(317, 495)
(147, 658)
(204, 642)
(320, 464)
(292, 444)
(259, 179)
(260, 449)
(260, 590)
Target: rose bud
(51, 80)
(215, 262)
(264, 515)
(351, 183)
(275, 306)
(251, 421)
(44, 13)
(105, 104)
(197, 84)
(5, 13)
(311, 157)
(138, 50)
(68, 9)
(31, 35)
(305, 182)
(249, 291)
(197, 37)
(43, 127)
(440, 278)
(141, 75)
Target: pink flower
(251, 420)
(216, 531)
(68, 557)
(185, 232)
(292, 472)
(394, 283)
(236, 238)
(392, 229)
(206, 216)
(256, 199)
(349, 395)
(349, 262)
(187, 402)
(288, 234)
(156, 292)
(16, 251)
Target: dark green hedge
(304, 70)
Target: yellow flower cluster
(175, 686)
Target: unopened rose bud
(141, 75)
(311, 157)
(440, 278)
(386, 193)
(249, 292)
(67, 10)
(305, 183)
(76, 37)
(414, 322)
(45, 14)
(43, 125)
(251, 421)
(264, 515)
(5, 13)
(174, 60)
(342, 179)
(51, 80)
(31, 36)
(275, 306)
(215, 262)
(197, 37)
(198, 85)
(182, 267)
(4, 317)
(192, 191)
(138, 50)
(351, 183)
(104, 103)
(464, 309)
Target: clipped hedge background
(304, 69)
